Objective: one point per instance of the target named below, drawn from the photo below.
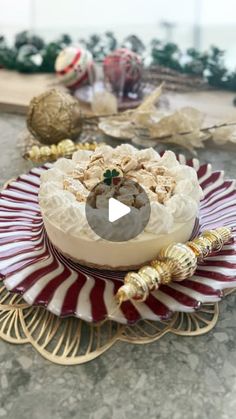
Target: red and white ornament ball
(123, 70)
(74, 67)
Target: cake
(172, 189)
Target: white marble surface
(174, 378)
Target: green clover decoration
(110, 176)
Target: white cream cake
(172, 188)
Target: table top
(175, 377)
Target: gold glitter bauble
(53, 116)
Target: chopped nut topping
(156, 180)
(128, 163)
(162, 194)
(94, 172)
(78, 173)
(142, 176)
(97, 161)
(76, 187)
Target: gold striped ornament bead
(197, 248)
(209, 241)
(225, 232)
(203, 244)
(163, 268)
(183, 258)
(135, 287)
(138, 285)
(218, 237)
(215, 238)
(152, 276)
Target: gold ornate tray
(71, 341)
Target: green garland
(208, 65)
(31, 54)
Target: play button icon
(118, 211)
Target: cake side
(105, 254)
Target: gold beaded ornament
(64, 148)
(175, 262)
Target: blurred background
(189, 23)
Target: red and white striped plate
(31, 266)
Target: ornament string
(65, 148)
